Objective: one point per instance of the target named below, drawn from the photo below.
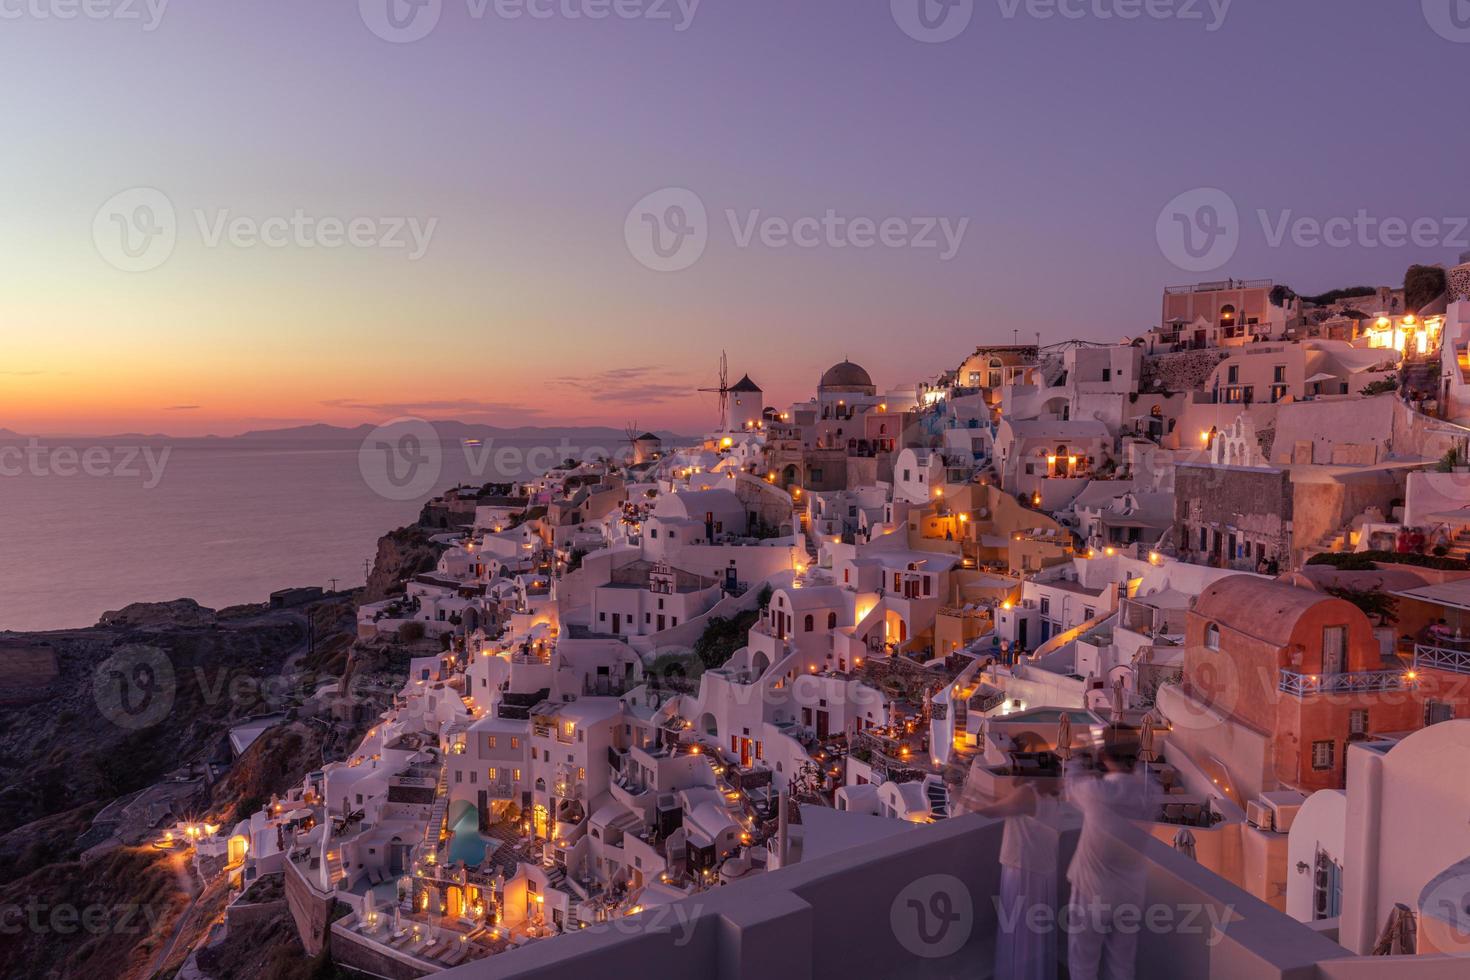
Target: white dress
(1028, 880)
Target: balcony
(1455, 661)
(1356, 682)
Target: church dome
(845, 376)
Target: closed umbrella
(1400, 935)
(1184, 843)
(1146, 753)
(1064, 736)
(1118, 701)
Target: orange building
(1300, 668)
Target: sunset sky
(529, 140)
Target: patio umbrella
(1117, 700)
(1400, 935)
(1146, 753)
(1064, 736)
(1184, 843)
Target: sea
(91, 526)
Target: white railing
(1357, 682)
(1442, 658)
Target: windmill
(724, 389)
(630, 429)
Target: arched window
(808, 624)
(1212, 636)
(831, 620)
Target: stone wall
(1457, 282)
(310, 910)
(356, 953)
(1253, 504)
(1183, 371)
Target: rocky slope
(114, 731)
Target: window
(1326, 888)
(1045, 605)
(1279, 374)
(1088, 612)
(831, 620)
(1232, 374)
(1322, 754)
(515, 774)
(1358, 722)
(807, 623)
(1107, 374)
(459, 775)
(515, 743)
(474, 776)
(581, 772)
(492, 741)
(492, 774)
(1212, 636)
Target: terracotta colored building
(1300, 668)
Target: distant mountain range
(448, 429)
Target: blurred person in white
(1026, 947)
(1106, 874)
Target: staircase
(1422, 374)
(434, 832)
(938, 795)
(335, 871)
(1460, 546)
(1330, 543)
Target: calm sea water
(226, 523)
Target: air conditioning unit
(1259, 814)
(1283, 806)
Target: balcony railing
(1357, 682)
(1442, 658)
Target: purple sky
(529, 140)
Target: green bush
(1367, 561)
(1422, 285)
